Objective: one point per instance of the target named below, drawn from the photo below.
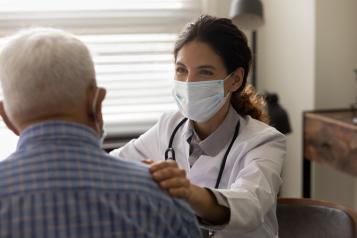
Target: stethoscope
(170, 154)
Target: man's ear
(95, 100)
(237, 76)
(99, 115)
(6, 119)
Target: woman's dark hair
(231, 45)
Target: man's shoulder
(129, 176)
(143, 186)
(125, 185)
(93, 170)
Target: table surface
(331, 137)
(342, 116)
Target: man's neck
(60, 117)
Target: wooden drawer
(331, 137)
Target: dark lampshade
(247, 14)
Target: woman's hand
(171, 178)
(202, 201)
(147, 161)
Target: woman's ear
(6, 119)
(237, 76)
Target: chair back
(308, 218)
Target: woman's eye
(206, 72)
(180, 70)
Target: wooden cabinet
(329, 137)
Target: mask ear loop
(94, 111)
(239, 79)
(226, 78)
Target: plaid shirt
(59, 183)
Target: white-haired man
(58, 182)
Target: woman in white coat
(216, 152)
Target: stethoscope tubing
(171, 151)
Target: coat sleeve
(252, 196)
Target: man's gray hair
(44, 69)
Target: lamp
(248, 15)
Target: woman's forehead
(198, 53)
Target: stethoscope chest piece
(170, 154)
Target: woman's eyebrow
(206, 67)
(180, 64)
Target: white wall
(286, 66)
(219, 8)
(336, 53)
(332, 185)
(336, 57)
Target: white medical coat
(251, 177)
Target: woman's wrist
(205, 204)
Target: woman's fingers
(147, 161)
(175, 183)
(165, 170)
(163, 164)
(171, 178)
(168, 173)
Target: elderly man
(58, 182)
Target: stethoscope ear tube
(223, 164)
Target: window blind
(131, 43)
(137, 72)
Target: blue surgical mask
(200, 101)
